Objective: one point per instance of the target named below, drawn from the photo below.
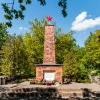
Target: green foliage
(71, 67)
(83, 75)
(3, 34)
(63, 4)
(36, 40)
(95, 73)
(6, 61)
(75, 71)
(29, 45)
(78, 52)
(15, 60)
(92, 46)
(83, 70)
(42, 2)
(64, 43)
(11, 13)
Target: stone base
(52, 67)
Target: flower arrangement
(49, 83)
(44, 82)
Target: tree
(64, 43)
(6, 60)
(78, 52)
(3, 34)
(29, 49)
(15, 60)
(92, 47)
(71, 67)
(83, 75)
(35, 40)
(11, 13)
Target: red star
(49, 18)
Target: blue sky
(83, 17)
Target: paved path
(93, 86)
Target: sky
(83, 17)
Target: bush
(86, 80)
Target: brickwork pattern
(49, 45)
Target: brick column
(49, 45)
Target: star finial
(49, 18)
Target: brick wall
(40, 71)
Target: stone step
(29, 94)
(71, 94)
(44, 94)
(48, 92)
(43, 89)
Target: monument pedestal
(49, 72)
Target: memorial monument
(49, 70)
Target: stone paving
(93, 86)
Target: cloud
(22, 28)
(81, 23)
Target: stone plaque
(49, 75)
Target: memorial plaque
(49, 76)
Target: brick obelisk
(49, 66)
(49, 45)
